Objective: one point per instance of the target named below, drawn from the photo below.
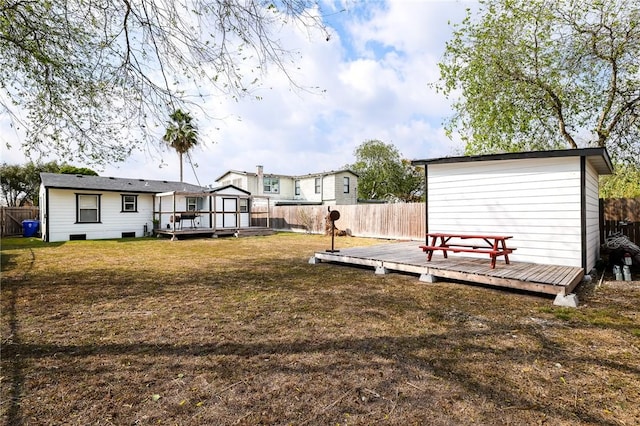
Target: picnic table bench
(493, 245)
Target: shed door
(229, 212)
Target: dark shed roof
(101, 183)
(597, 156)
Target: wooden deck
(213, 232)
(408, 257)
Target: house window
(318, 185)
(129, 203)
(87, 208)
(271, 185)
(244, 205)
(297, 187)
(345, 183)
(194, 204)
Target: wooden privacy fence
(620, 215)
(398, 221)
(627, 209)
(11, 219)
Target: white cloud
(372, 76)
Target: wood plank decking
(408, 257)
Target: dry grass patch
(245, 331)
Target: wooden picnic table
(493, 245)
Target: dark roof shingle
(101, 183)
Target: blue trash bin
(30, 228)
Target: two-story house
(325, 188)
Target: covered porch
(220, 212)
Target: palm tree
(181, 134)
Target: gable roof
(102, 183)
(222, 188)
(330, 172)
(597, 156)
(237, 172)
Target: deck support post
(569, 300)
(380, 269)
(428, 278)
(314, 260)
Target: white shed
(546, 200)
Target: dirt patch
(246, 331)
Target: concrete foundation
(428, 278)
(569, 301)
(381, 270)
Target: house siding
(287, 188)
(61, 211)
(308, 189)
(331, 187)
(340, 196)
(537, 201)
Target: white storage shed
(546, 200)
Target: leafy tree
(21, 184)
(181, 134)
(625, 183)
(83, 70)
(13, 184)
(67, 169)
(384, 175)
(538, 74)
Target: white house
(546, 200)
(77, 207)
(326, 188)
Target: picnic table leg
(442, 244)
(506, 252)
(430, 252)
(494, 255)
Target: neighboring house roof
(598, 157)
(253, 174)
(331, 172)
(102, 183)
(238, 172)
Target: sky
(373, 75)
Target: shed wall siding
(537, 201)
(113, 222)
(592, 216)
